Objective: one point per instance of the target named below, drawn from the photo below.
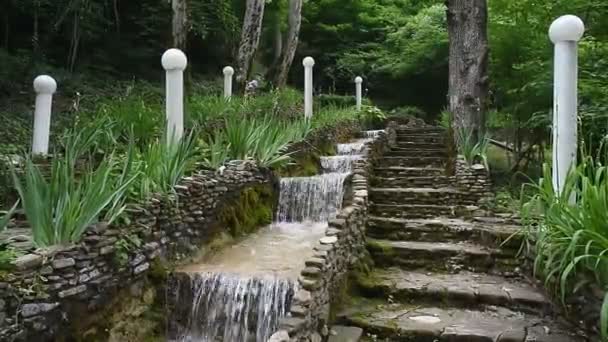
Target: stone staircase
(437, 276)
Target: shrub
(570, 241)
(408, 111)
(473, 150)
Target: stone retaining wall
(341, 248)
(474, 181)
(53, 287)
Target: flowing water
(240, 293)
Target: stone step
(412, 161)
(445, 230)
(412, 152)
(404, 322)
(412, 182)
(419, 145)
(403, 172)
(448, 256)
(441, 196)
(422, 139)
(421, 130)
(416, 210)
(463, 289)
(340, 333)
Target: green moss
(251, 210)
(381, 248)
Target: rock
(63, 263)
(328, 240)
(28, 261)
(279, 336)
(29, 310)
(339, 333)
(72, 291)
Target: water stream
(240, 293)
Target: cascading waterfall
(373, 134)
(226, 305)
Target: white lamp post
(565, 32)
(308, 63)
(228, 72)
(174, 61)
(44, 86)
(358, 92)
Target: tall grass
(570, 242)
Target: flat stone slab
(340, 333)
(469, 288)
(399, 322)
(438, 248)
(444, 229)
(417, 190)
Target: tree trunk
(250, 38)
(295, 21)
(278, 42)
(180, 23)
(468, 77)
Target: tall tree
(180, 23)
(289, 51)
(468, 76)
(250, 39)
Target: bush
(408, 111)
(570, 241)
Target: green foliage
(61, 208)
(473, 150)
(371, 116)
(251, 210)
(5, 219)
(159, 166)
(408, 111)
(445, 119)
(570, 242)
(125, 245)
(334, 100)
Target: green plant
(215, 151)
(371, 116)
(570, 241)
(5, 219)
(160, 166)
(408, 111)
(126, 244)
(473, 150)
(445, 119)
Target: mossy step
(404, 171)
(416, 153)
(422, 139)
(441, 196)
(445, 229)
(462, 289)
(404, 144)
(340, 333)
(416, 210)
(439, 256)
(398, 322)
(420, 130)
(412, 161)
(411, 182)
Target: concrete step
(404, 171)
(445, 230)
(416, 210)
(463, 289)
(447, 256)
(441, 196)
(340, 333)
(435, 182)
(412, 161)
(427, 323)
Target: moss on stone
(251, 210)
(378, 247)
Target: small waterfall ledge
(243, 292)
